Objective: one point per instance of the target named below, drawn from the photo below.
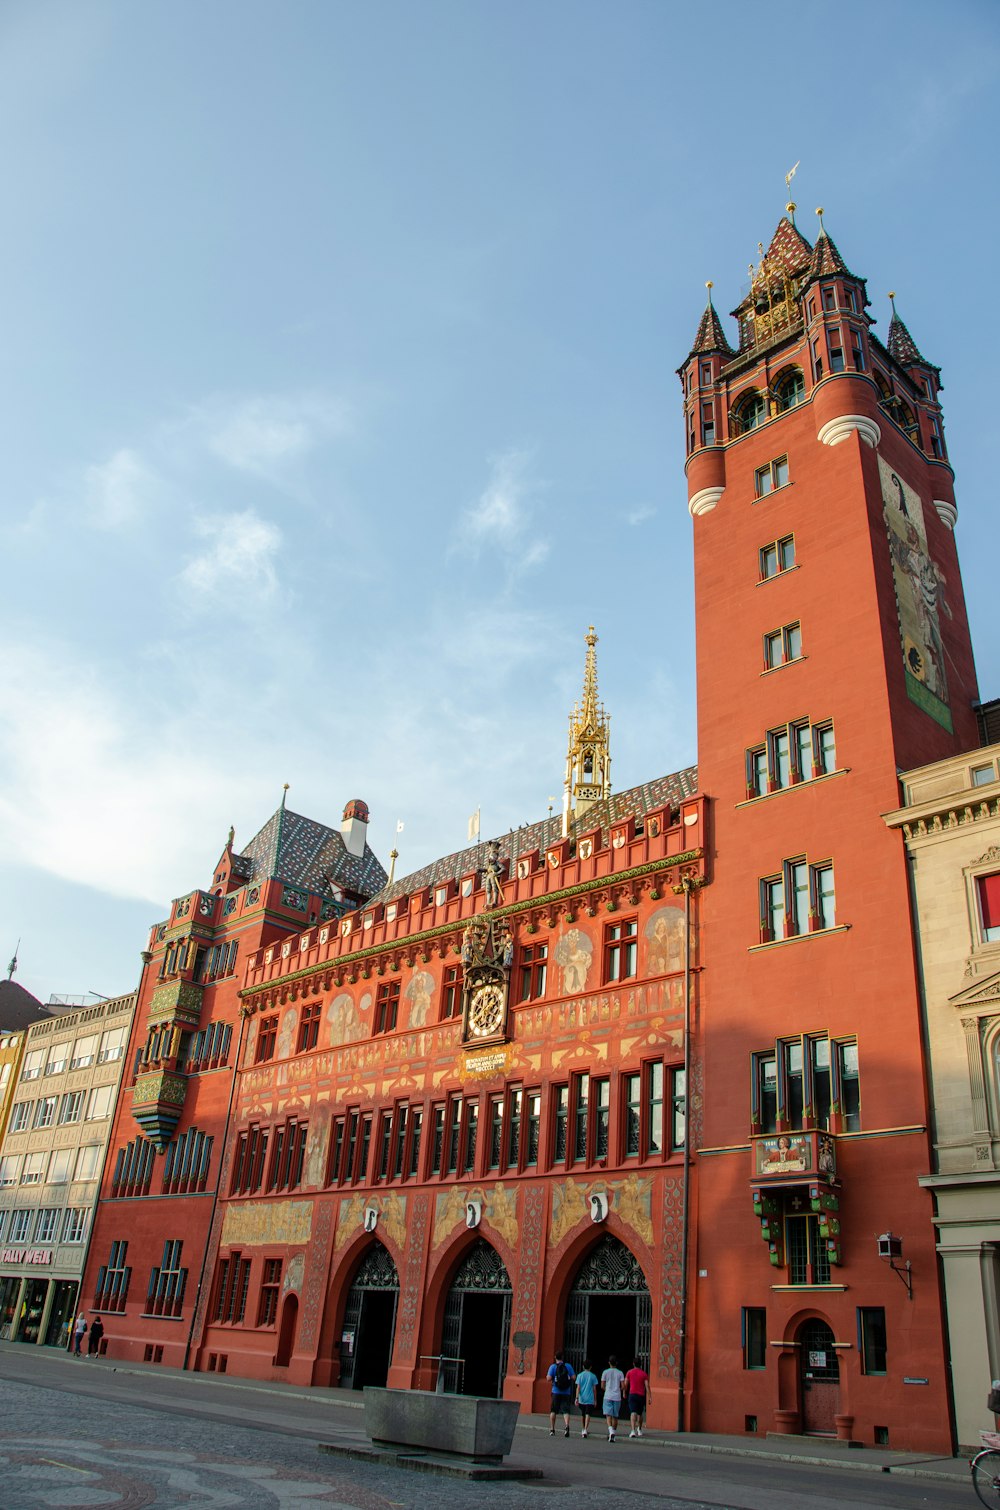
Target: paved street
(77, 1435)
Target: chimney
(355, 826)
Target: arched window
(789, 389)
(749, 412)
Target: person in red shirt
(637, 1388)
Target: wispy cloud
(640, 515)
(263, 434)
(119, 490)
(501, 518)
(239, 555)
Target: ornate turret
(588, 759)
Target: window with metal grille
(270, 1290)
(133, 1169)
(231, 1291)
(165, 1295)
(808, 1263)
(248, 1165)
(113, 1280)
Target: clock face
(486, 1010)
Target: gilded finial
(393, 857)
(232, 835)
(819, 212)
(892, 300)
(284, 793)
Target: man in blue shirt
(562, 1376)
(586, 1395)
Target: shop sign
(27, 1256)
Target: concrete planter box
(466, 1425)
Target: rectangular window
(167, 1283)
(708, 424)
(496, 1132)
(437, 1148)
(600, 1106)
(112, 1045)
(31, 1069)
(774, 475)
(937, 443)
(309, 1027)
(10, 1169)
(836, 349)
(849, 1087)
(99, 1102)
(829, 298)
(754, 1337)
(772, 908)
(706, 372)
(454, 1132)
(988, 893)
(533, 1128)
(858, 351)
(757, 774)
(632, 1099)
(416, 1128)
(560, 1115)
(801, 900)
(88, 1162)
(386, 1006)
(824, 899)
(982, 775)
(60, 1164)
(58, 1059)
(776, 557)
(514, 1105)
(71, 1107)
(620, 950)
(782, 645)
(471, 1132)
(401, 1123)
(822, 1082)
(581, 1099)
(452, 1005)
(817, 360)
(361, 1169)
(533, 971)
(270, 1290)
(75, 1224)
(384, 1144)
(871, 1339)
(766, 1092)
(808, 1263)
(231, 1293)
(654, 1109)
(824, 750)
(267, 1038)
(792, 1084)
(20, 1116)
(83, 1052)
(33, 1168)
(45, 1112)
(21, 1225)
(678, 1110)
(780, 759)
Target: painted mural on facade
(920, 596)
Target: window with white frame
(10, 1168)
(988, 899)
(58, 1059)
(47, 1224)
(20, 1116)
(99, 1102)
(782, 645)
(60, 1165)
(21, 1225)
(84, 1051)
(793, 753)
(88, 1162)
(31, 1069)
(33, 1168)
(45, 1111)
(112, 1045)
(75, 1224)
(71, 1107)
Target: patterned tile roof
(664, 791)
(901, 345)
(826, 260)
(304, 853)
(789, 247)
(710, 336)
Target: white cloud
(501, 518)
(239, 555)
(265, 433)
(640, 515)
(118, 491)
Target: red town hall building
(646, 1078)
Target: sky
(338, 397)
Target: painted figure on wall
(344, 1020)
(319, 1132)
(419, 993)
(920, 595)
(286, 1035)
(665, 934)
(574, 952)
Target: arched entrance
(369, 1321)
(608, 1309)
(819, 1372)
(286, 1332)
(477, 1321)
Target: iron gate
(482, 1270)
(608, 1269)
(376, 1272)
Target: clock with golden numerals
(486, 1010)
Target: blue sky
(337, 396)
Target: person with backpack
(612, 1380)
(562, 1375)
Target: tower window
(748, 413)
(801, 899)
(706, 372)
(857, 351)
(789, 389)
(791, 754)
(708, 425)
(836, 349)
(829, 298)
(777, 557)
(774, 475)
(782, 645)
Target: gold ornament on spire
(588, 758)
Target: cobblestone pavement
(60, 1449)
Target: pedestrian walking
(94, 1340)
(612, 1381)
(638, 1390)
(79, 1332)
(562, 1376)
(586, 1395)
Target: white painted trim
(836, 430)
(947, 512)
(704, 501)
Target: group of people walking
(618, 1390)
(80, 1330)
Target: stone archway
(369, 1325)
(476, 1324)
(819, 1378)
(608, 1308)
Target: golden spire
(588, 758)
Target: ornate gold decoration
(588, 757)
(257, 1224)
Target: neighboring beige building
(51, 1160)
(951, 824)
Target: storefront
(34, 1308)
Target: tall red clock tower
(833, 650)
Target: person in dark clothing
(94, 1340)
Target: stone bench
(467, 1426)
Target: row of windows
(872, 1344)
(581, 1124)
(806, 1082)
(793, 753)
(233, 1285)
(164, 1292)
(269, 1159)
(206, 964)
(55, 1168)
(57, 1111)
(102, 1047)
(34, 1225)
(185, 1166)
